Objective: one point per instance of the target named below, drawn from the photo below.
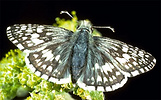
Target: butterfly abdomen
(79, 54)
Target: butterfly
(91, 62)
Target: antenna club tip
(66, 12)
(63, 12)
(113, 30)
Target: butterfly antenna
(112, 29)
(66, 12)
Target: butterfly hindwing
(100, 73)
(51, 64)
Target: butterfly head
(85, 25)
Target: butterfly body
(93, 63)
(79, 54)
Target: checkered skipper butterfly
(93, 63)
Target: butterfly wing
(110, 62)
(30, 37)
(47, 47)
(100, 73)
(129, 59)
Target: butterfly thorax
(84, 25)
(79, 55)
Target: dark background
(135, 22)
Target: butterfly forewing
(33, 36)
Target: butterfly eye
(78, 26)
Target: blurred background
(136, 22)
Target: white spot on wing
(67, 79)
(33, 69)
(8, 28)
(96, 66)
(123, 81)
(121, 60)
(44, 76)
(48, 55)
(107, 67)
(28, 41)
(118, 73)
(141, 53)
(37, 60)
(99, 79)
(37, 41)
(92, 78)
(43, 66)
(35, 35)
(108, 88)
(100, 88)
(35, 55)
(114, 48)
(39, 63)
(115, 86)
(39, 29)
(90, 88)
(135, 64)
(126, 66)
(154, 60)
(44, 51)
(20, 46)
(11, 39)
(110, 79)
(30, 44)
(134, 73)
(124, 49)
(49, 68)
(146, 69)
(147, 55)
(57, 57)
(59, 61)
(82, 85)
(23, 27)
(142, 70)
(29, 31)
(130, 65)
(38, 73)
(49, 33)
(24, 38)
(114, 78)
(9, 33)
(51, 79)
(126, 56)
(15, 41)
